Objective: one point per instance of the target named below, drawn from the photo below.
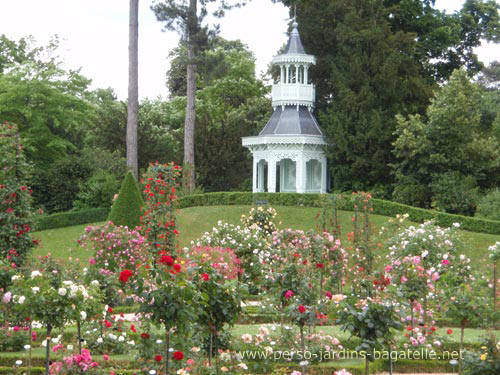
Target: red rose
(158, 358)
(329, 295)
(302, 309)
(205, 276)
(110, 310)
(409, 328)
(125, 275)
(132, 328)
(449, 332)
(177, 267)
(178, 356)
(167, 259)
(319, 265)
(145, 335)
(108, 324)
(433, 329)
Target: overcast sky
(94, 36)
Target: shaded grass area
(194, 221)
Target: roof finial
(295, 24)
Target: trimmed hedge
(380, 207)
(126, 210)
(67, 219)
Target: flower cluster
(75, 364)
(114, 248)
(261, 218)
(250, 245)
(223, 260)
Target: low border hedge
(70, 218)
(380, 207)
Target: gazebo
(288, 154)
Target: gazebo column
(260, 170)
(323, 175)
(254, 175)
(271, 175)
(300, 177)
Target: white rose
(94, 283)
(22, 299)
(35, 273)
(121, 339)
(83, 315)
(15, 277)
(35, 289)
(62, 291)
(99, 340)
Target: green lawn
(194, 221)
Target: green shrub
(98, 191)
(70, 218)
(126, 210)
(55, 189)
(489, 206)
(411, 192)
(454, 193)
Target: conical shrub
(126, 210)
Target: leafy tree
(183, 16)
(158, 131)
(47, 102)
(449, 140)
(230, 105)
(133, 88)
(376, 59)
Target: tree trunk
(133, 88)
(462, 330)
(167, 348)
(47, 349)
(189, 123)
(302, 347)
(495, 276)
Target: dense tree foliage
(378, 58)
(47, 102)
(230, 104)
(445, 154)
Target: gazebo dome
(288, 154)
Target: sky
(94, 36)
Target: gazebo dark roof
(294, 44)
(290, 121)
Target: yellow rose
(483, 357)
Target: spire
(294, 43)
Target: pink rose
(403, 279)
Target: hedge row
(380, 207)
(66, 219)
